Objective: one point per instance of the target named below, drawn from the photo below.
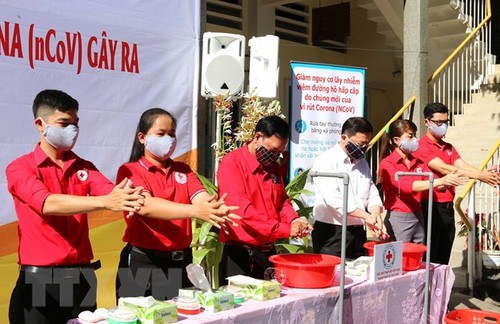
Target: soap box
(255, 288)
(212, 302)
(159, 313)
(360, 268)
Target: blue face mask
(161, 147)
(61, 138)
(438, 131)
(409, 145)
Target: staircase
(448, 26)
(476, 125)
(478, 128)
(474, 133)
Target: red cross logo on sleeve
(82, 175)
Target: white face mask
(61, 138)
(161, 147)
(438, 131)
(409, 145)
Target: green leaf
(218, 257)
(209, 185)
(196, 234)
(294, 188)
(291, 248)
(199, 255)
(305, 212)
(204, 230)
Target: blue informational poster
(323, 97)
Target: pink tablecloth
(398, 300)
(395, 300)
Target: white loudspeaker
(223, 61)
(264, 67)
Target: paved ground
(486, 294)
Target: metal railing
(469, 65)
(483, 210)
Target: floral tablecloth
(394, 300)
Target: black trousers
(327, 239)
(443, 230)
(52, 295)
(159, 274)
(239, 260)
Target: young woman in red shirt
(404, 220)
(153, 263)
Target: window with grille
(292, 22)
(227, 13)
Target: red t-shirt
(264, 206)
(427, 151)
(399, 195)
(46, 240)
(178, 183)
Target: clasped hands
(124, 197)
(215, 211)
(300, 227)
(376, 224)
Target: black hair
(145, 123)
(435, 107)
(396, 129)
(355, 125)
(273, 125)
(53, 100)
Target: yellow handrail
(471, 183)
(464, 42)
(408, 104)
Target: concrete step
(442, 13)
(448, 27)
(464, 301)
(483, 119)
(458, 257)
(461, 278)
(473, 134)
(484, 103)
(492, 85)
(493, 79)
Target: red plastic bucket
(306, 270)
(369, 246)
(474, 316)
(412, 254)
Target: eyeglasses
(364, 147)
(440, 122)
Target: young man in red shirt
(53, 190)
(252, 179)
(442, 158)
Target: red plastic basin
(412, 254)
(475, 316)
(306, 270)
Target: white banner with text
(117, 58)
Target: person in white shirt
(364, 205)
